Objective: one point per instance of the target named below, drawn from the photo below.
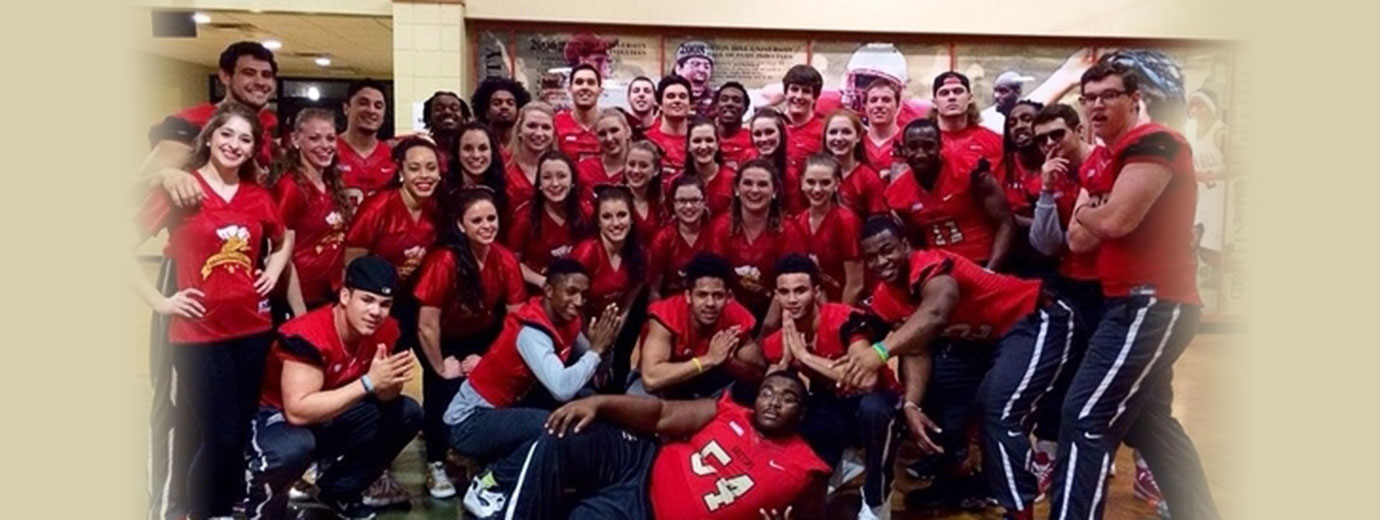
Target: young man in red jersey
(575, 127)
(719, 461)
(929, 294)
(814, 334)
(697, 343)
(365, 162)
(1136, 212)
(673, 97)
(804, 130)
(735, 142)
(960, 122)
(332, 393)
(950, 200)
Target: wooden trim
(448, 2)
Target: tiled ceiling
(357, 45)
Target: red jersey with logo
(989, 305)
(737, 148)
(803, 140)
(863, 191)
(217, 248)
(607, 284)
(500, 282)
(718, 195)
(672, 148)
(385, 227)
(728, 470)
(592, 173)
(575, 140)
(537, 245)
(879, 154)
(754, 259)
(670, 252)
(1077, 266)
(826, 341)
(688, 340)
(976, 140)
(520, 190)
(201, 114)
(502, 377)
(319, 232)
(947, 217)
(1159, 253)
(1022, 187)
(313, 340)
(366, 174)
(831, 244)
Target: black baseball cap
(373, 274)
(945, 76)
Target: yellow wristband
(698, 366)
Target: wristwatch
(368, 384)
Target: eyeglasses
(688, 202)
(1052, 136)
(1106, 96)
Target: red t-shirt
(319, 229)
(737, 148)
(947, 218)
(863, 191)
(719, 192)
(879, 154)
(607, 284)
(673, 312)
(976, 140)
(574, 139)
(989, 305)
(520, 190)
(592, 172)
(201, 114)
(385, 227)
(803, 140)
(217, 248)
(1159, 253)
(670, 252)
(672, 148)
(835, 241)
(538, 247)
(754, 260)
(500, 282)
(313, 340)
(826, 341)
(728, 470)
(1076, 266)
(366, 174)
(502, 377)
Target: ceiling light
(313, 93)
(324, 61)
(272, 45)
(201, 18)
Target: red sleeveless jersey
(949, 217)
(728, 470)
(312, 339)
(687, 341)
(1158, 255)
(502, 377)
(989, 304)
(828, 343)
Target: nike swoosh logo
(1014, 434)
(773, 464)
(1092, 436)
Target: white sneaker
(1042, 465)
(850, 466)
(882, 512)
(481, 500)
(438, 482)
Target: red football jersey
(500, 281)
(670, 252)
(313, 340)
(834, 242)
(910, 109)
(1076, 266)
(728, 470)
(673, 312)
(385, 227)
(737, 148)
(826, 341)
(672, 148)
(217, 248)
(520, 189)
(607, 284)
(592, 172)
(1159, 254)
(319, 229)
(863, 191)
(201, 114)
(719, 196)
(879, 154)
(1022, 188)
(366, 174)
(575, 140)
(537, 247)
(754, 259)
(989, 305)
(649, 224)
(803, 140)
(502, 377)
(947, 218)
(976, 140)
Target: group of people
(624, 315)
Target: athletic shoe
(1145, 488)
(385, 491)
(482, 499)
(882, 512)
(1042, 465)
(352, 510)
(305, 488)
(850, 467)
(438, 482)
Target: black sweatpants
(437, 391)
(1085, 296)
(172, 438)
(870, 420)
(1123, 391)
(607, 467)
(359, 443)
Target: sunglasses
(1051, 137)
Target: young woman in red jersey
(467, 284)
(315, 209)
(674, 246)
(617, 265)
(220, 326)
(643, 177)
(535, 135)
(704, 161)
(754, 234)
(832, 229)
(481, 164)
(768, 129)
(861, 189)
(608, 167)
(552, 222)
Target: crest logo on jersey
(336, 236)
(232, 255)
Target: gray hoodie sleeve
(539, 352)
(1045, 232)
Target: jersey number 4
(728, 489)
